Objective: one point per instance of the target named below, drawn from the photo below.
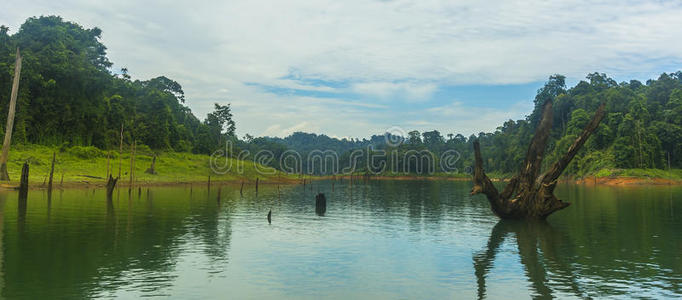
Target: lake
(377, 240)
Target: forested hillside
(642, 129)
(70, 96)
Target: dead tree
(530, 194)
(23, 182)
(4, 175)
(152, 168)
(320, 204)
(49, 184)
(111, 184)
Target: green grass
(675, 174)
(76, 164)
(81, 164)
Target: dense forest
(70, 96)
(642, 129)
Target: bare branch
(555, 171)
(482, 183)
(536, 150)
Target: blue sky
(356, 68)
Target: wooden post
(4, 175)
(23, 184)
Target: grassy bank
(674, 174)
(88, 165)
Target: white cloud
(389, 90)
(277, 130)
(382, 49)
(468, 119)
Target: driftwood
(530, 194)
(4, 155)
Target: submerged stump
(320, 204)
(530, 194)
(23, 184)
(111, 184)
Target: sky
(356, 68)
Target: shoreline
(4, 186)
(591, 180)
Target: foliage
(71, 99)
(69, 95)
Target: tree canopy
(70, 96)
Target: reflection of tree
(83, 252)
(530, 236)
(213, 225)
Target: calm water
(382, 239)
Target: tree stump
(23, 184)
(530, 194)
(152, 169)
(111, 184)
(320, 204)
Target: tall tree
(4, 175)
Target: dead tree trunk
(120, 153)
(4, 175)
(23, 183)
(49, 183)
(530, 194)
(111, 184)
(152, 168)
(320, 204)
(132, 162)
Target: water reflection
(537, 243)
(84, 246)
(409, 239)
